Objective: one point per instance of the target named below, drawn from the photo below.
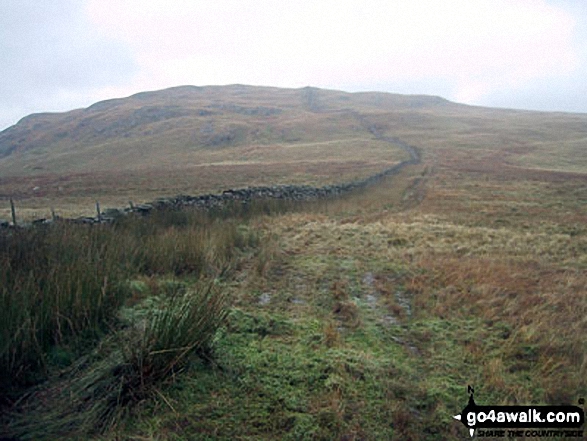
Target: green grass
(307, 354)
(65, 283)
(347, 321)
(363, 317)
(54, 284)
(158, 340)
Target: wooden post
(98, 210)
(53, 215)
(13, 211)
(131, 205)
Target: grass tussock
(54, 284)
(63, 285)
(344, 308)
(154, 347)
(364, 317)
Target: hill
(196, 139)
(357, 317)
(205, 139)
(191, 117)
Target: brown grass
(186, 141)
(486, 239)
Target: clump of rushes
(157, 344)
(54, 284)
(183, 324)
(67, 282)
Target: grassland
(187, 140)
(367, 316)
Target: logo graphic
(474, 417)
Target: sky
(57, 55)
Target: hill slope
(204, 139)
(195, 139)
(360, 317)
(187, 122)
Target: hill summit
(194, 140)
(185, 117)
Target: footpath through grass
(355, 319)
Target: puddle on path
(264, 298)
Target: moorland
(364, 316)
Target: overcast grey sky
(57, 55)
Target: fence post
(13, 211)
(53, 215)
(98, 210)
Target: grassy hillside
(205, 139)
(193, 140)
(373, 313)
(363, 317)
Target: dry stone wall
(245, 195)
